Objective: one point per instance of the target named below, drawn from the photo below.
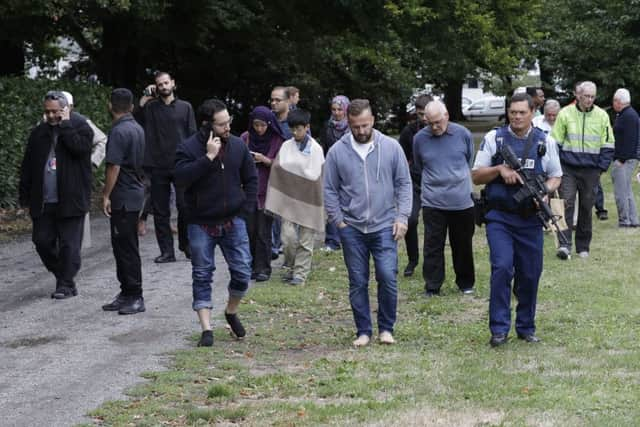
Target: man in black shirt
(406, 141)
(167, 121)
(122, 200)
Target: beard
(363, 138)
(165, 93)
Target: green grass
(296, 367)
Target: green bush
(21, 107)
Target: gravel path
(61, 359)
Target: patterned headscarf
(340, 126)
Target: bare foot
(142, 227)
(361, 341)
(386, 338)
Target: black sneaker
(64, 292)
(206, 340)
(236, 325)
(431, 294)
(132, 305)
(603, 215)
(408, 271)
(115, 305)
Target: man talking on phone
(220, 180)
(167, 121)
(55, 184)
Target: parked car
(485, 109)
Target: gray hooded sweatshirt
(369, 195)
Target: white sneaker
(326, 249)
(361, 341)
(584, 254)
(386, 338)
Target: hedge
(21, 107)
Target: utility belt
(482, 206)
(523, 211)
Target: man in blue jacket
(221, 186)
(625, 158)
(368, 197)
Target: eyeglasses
(225, 124)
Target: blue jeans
(234, 244)
(357, 248)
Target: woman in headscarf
(336, 126)
(264, 138)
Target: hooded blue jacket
(369, 195)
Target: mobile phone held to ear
(149, 91)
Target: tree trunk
(453, 99)
(12, 63)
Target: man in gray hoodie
(367, 195)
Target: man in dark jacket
(55, 184)
(167, 121)
(625, 158)
(220, 180)
(406, 141)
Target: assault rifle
(534, 187)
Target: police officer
(514, 232)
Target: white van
(485, 109)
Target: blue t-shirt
(444, 162)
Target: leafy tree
(452, 40)
(592, 40)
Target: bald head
(438, 117)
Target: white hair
(551, 104)
(68, 96)
(587, 85)
(623, 96)
(436, 106)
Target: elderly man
(514, 231)
(367, 193)
(443, 152)
(625, 158)
(545, 122)
(586, 142)
(97, 156)
(55, 183)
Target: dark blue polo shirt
(125, 148)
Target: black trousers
(461, 227)
(411, 238)
(259, 229)
(58, 242)
(161, 180)
(124, 240)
